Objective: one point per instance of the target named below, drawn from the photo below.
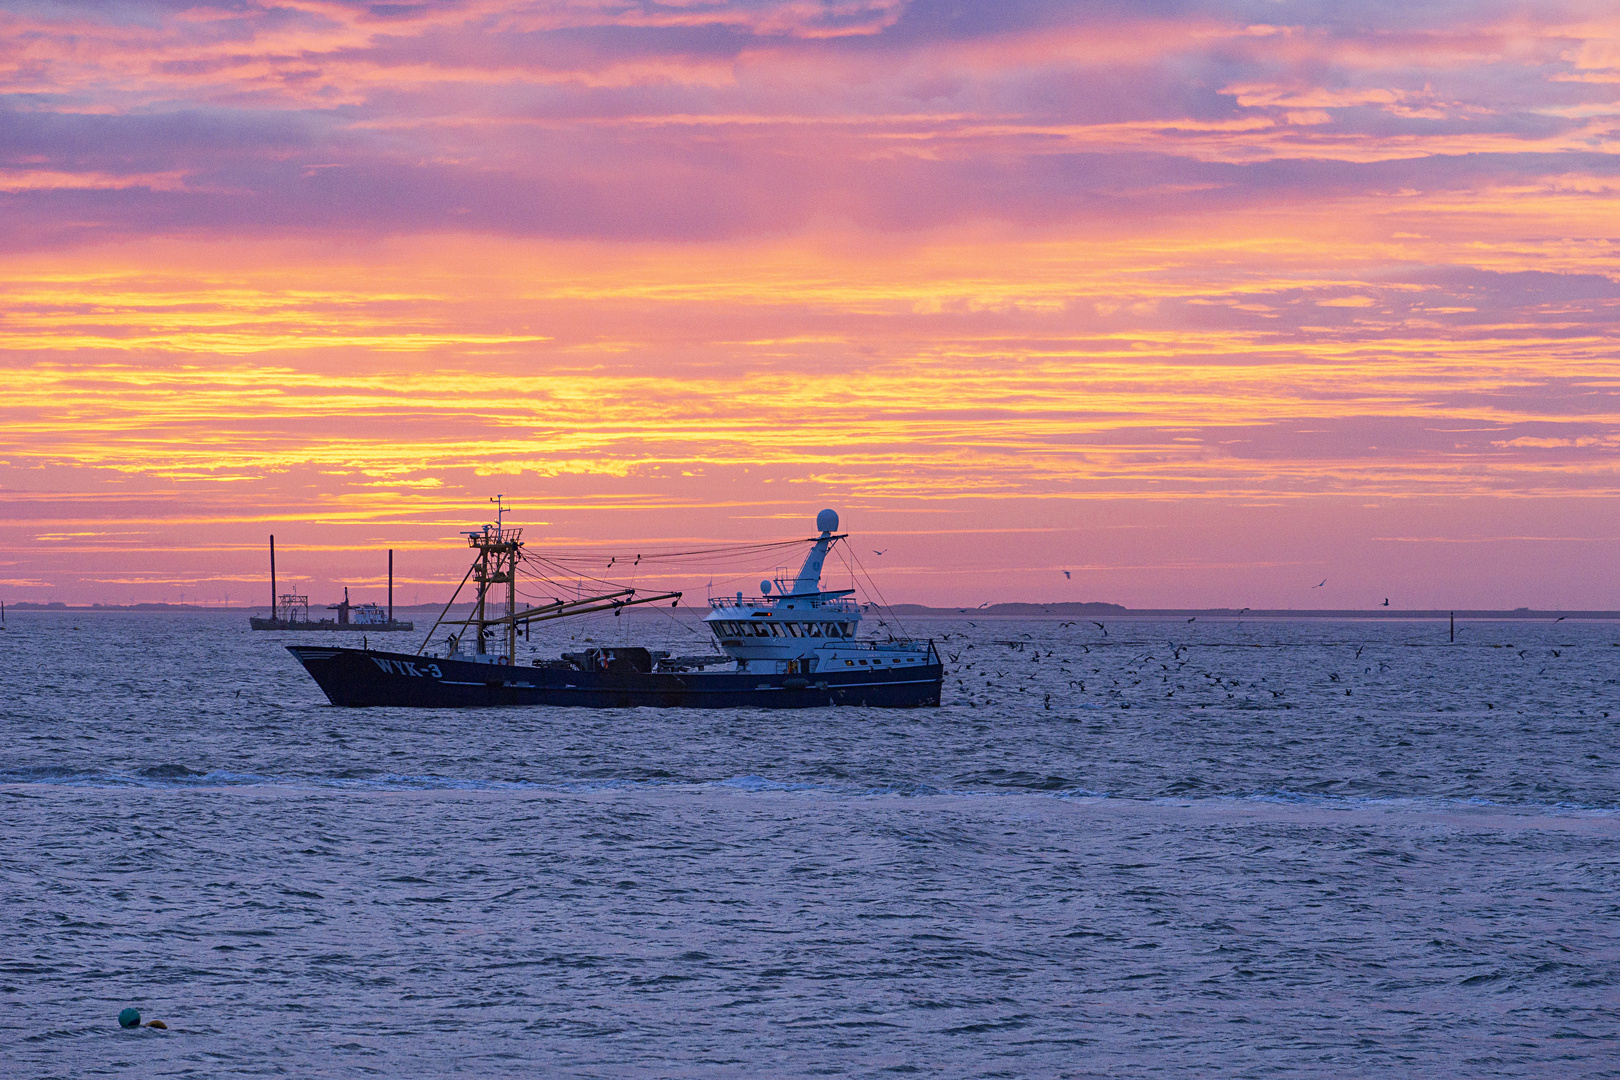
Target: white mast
(809, 580)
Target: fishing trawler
(794, 646)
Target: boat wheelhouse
(804, 629)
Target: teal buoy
(130, 1018)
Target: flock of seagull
(1072, 672)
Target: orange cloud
(665, 269)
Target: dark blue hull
(358, 677)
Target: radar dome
(764, 588)
(827, 521)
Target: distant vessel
(290, 611)
(796, 649)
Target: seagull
(1319, 584)
(1067, 575)
(1560, 618)
(1386, 601)
(1100, 626)
(875, 551)
(1193, 619)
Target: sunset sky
(1202, 302)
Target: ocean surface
(1220, 848)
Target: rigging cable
(550, 566)
(882, 601)
(729, 551)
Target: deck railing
(839, 604)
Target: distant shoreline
(1067, 609)
(1116, 611)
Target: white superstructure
(804, 629)
(368, 615)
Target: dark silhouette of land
(1091, 610)
(1066, 609)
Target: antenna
(500, 511)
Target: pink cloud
(681, 266)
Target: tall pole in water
(390, 586)
(273, 612)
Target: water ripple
(1236, 849)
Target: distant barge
(290, 611)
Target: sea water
(1221, 848)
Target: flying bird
(1067, 575)
(875, 551)
(1319, 584)
(1386, 601)
(1193, 619)
(1560, 618)
(1101, 627)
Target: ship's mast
(498, 550)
